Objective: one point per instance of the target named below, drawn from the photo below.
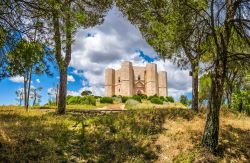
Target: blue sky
(95, 49)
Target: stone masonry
(130, 80)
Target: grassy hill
(152, 135)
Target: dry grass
(181, 140)
(159, 135)
(148, 105)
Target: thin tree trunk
(211, 131)
(29, 82)
(61, 109)
(25, 90)
(195, 87)
(34, 102)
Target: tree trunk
(61, 108)
(195, 83)
(25, 90)
(28, 96)
(34, 102)
(211, 131)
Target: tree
(25, 59)
(20, 96)
(204, 88)
(171, 28)
(62, 18)
(184, 100)
(35, 95)
(226, 24)
(86, 93)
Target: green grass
(72, 107)
(42, 136)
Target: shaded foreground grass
(41, 135)
(162, 135)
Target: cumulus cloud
(16, 79)
(109, 44)
(71, 78)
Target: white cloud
(51, 92)
(38, 80)
(16, 79)
(71, 78)
(73, 93)
(111, 43)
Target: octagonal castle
(130, 80)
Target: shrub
(162, 98)
(130, 103)
(150, 97)
(156, 100)
(184, 100)
(169, 99)
(137, 98)
(74, 100)
(107, 100)
(68, 97)
(117, 99)
(143, 96)
(124, 99)
(90, 100)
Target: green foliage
(204, 87)
(107, 100)
(137, 98)
(131, 103)
(150, 97)
(169, 99)
(86, 93)
(26, 57)
(156, 100)
(241, 98)
(143, 96)
(124, 99)
(184, 100)
(74, 100)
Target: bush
(150, 97)
(74, 100)
(137, 98)
(117, 99)
(162, 98)
(90, 100)
(169, 99)
(241, 101)
(184, 100)
(130, 103)
(124, 99)
(107, 100)
(156, 100)
(143, 96)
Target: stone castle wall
(130, 80)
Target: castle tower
(127, 79)
(162, 81)
(151, 79)
(109, 82)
